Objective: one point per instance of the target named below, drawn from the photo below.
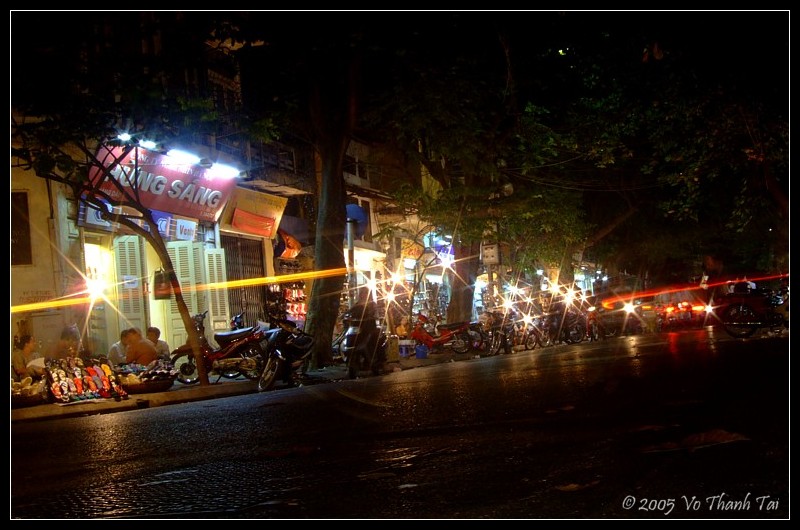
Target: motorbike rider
(287, 370)
(366, 343)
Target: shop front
(250, 234)
(123, 273)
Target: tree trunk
(329, 253)
(463, 285)
(158, 244)
(332, 110)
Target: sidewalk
(180, 393)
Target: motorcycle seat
(232, 335)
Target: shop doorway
(245, 261)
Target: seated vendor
(138, 349)
(26, 361)
(402, 329)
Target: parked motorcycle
(480, 337)
(501, 331)
(455, 336)
(240, 352)
(237, 321)
(364, 342)
(597, 327)
(288, 347)
(743, 313)
(533, 332)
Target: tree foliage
(689, 122)
(61, 124)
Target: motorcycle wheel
(460, 345)
(594, 333)
(496, 344)
(532, 340)
(337, 351)
(574, 334)
(375, 366)
(353, 362)
(477, 340)
(253, 362)
(739, 313)
(378, 359)
(184, 364)
(267, 379)
(507, 346)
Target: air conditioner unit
(355, 180)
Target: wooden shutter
(131, 306)
(218, 314)
(187, 260)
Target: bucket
(421, 351)
(406, 348)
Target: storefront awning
(253, 213)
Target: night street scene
(399, 265)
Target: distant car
(681, 309)
(619, 314)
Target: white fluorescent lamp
(222, 171)
(178, 157)
(147, 144)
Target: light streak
(81, 298)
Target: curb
(180, 393)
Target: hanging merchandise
(162, 290)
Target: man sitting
(138, 349)
(162, 348)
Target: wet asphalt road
(669, 426)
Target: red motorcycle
(745, 310)
(240, 352)
(454, 336)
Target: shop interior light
(95, 288)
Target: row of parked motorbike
(259, 352)
(274, 350)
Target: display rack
(289, 298)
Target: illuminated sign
(161, 183)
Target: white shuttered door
(132, 309)
(187, 259)
(218, 313)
